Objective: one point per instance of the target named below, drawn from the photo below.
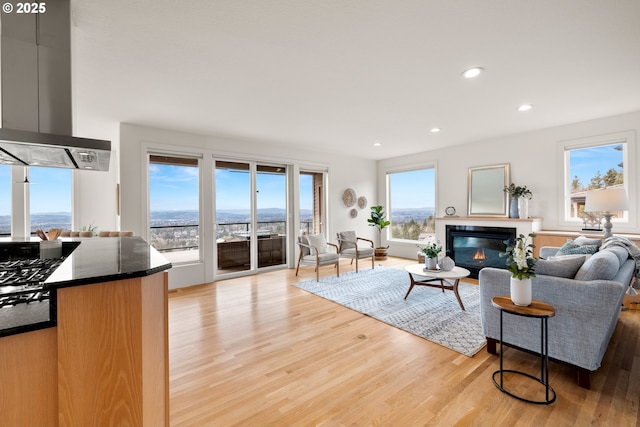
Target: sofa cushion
(319, 242)
(621, 253)
(602, 266)
(566, 266)
(572, 248)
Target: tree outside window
(593, 168)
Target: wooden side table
(539, 310)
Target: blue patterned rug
(427, 312)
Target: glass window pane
(311, 198)
(592, 168)
(5, 196)
(271, 186)
(174, 207)
(412, 204)
(233, 216)
(50, 198)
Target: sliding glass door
(251, 216)
(233, 216)
(271, 209)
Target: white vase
(521, 291)
(430, 263)
(523, 207)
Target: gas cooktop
(22, 280)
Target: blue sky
(5, 190)
(173, 187)
(413, 189)
(50, 190)
(586, 162)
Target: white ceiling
(340, 75)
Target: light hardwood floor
(257, 351)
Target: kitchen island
(101, 356)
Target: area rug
(427, 312)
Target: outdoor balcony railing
(182, 237)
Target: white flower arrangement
(520, 260)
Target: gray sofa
(587, 304)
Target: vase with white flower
(522, 265)
(431, 252)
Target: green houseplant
(431, 252)
(378, 219)
(520, 196)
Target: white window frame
(629, 222)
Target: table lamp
(607, 200)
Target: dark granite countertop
(93, 260)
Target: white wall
(135, 140)
(533, 158)
(94, 192)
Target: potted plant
(520, 196)
(378, 219)
(431, 255)
(522, 265)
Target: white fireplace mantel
(522, 226)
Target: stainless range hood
(49, 150)
(36, 94)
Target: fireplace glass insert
(474, 247)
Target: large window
(311, 202)
(5, 198)
(591, 165)
(174, 207)
(412, 204)
(50, 198)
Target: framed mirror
(486, 191)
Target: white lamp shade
(606, 200)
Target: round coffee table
(437, 276)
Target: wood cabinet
(29, 388)
(105, 364)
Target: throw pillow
(566, 266)
(305, 250)
(319, 242)
(572, 248)
(602, 266)
(350, 236)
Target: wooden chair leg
(356, 265)
(372, 262)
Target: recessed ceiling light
(377, 144)
(435, 130)
(472, 72)
(525, 107)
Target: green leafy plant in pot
(431, 252)
(378, 219)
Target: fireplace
(475, 247)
